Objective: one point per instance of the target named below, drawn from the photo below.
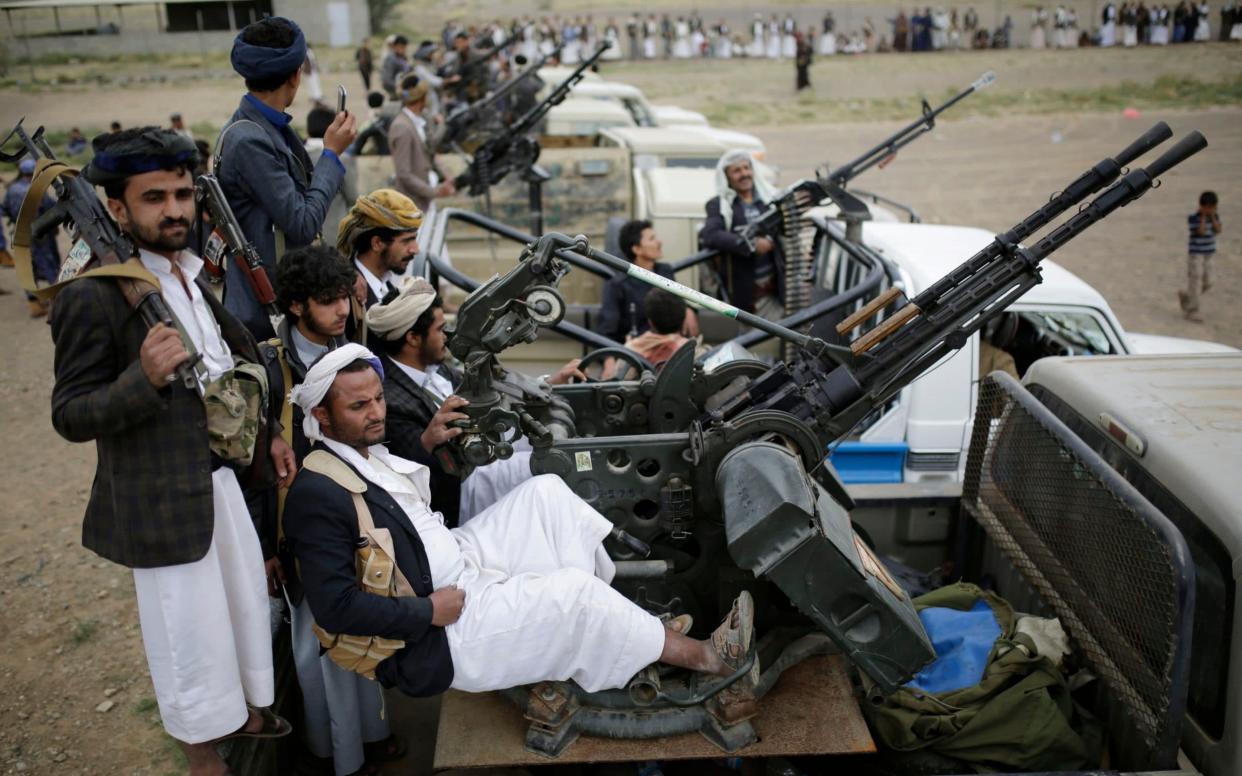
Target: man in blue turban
(279, 197)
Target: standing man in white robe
(163, 503)
(518, 596)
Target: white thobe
(535, 573)
(486, 484)
(206, 624)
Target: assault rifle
(513, 147)
(97, 240)
(888, 148)
(461, 120)
(228, 240)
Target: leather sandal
(682, 623)
(274, 726)
(734, 639)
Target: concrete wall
(139, 29)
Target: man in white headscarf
(418, 386)
(517, 596)
(753, 277)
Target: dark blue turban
(259, 62)
(120, 155)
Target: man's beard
(395, 260)
(365, 437)
(314, 327)
(156, 239)
(428, 357)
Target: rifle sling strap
(131, 272)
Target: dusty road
(77, 697)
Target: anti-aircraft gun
(482, 117)
(721, 477)
(514, 148)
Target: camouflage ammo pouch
(377, 573)
(236, 402)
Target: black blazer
(736, 263)
(410, 410)
(321, 526)
(151, 502)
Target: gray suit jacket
(412, 160)
(270, 183)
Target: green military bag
(1019, 716)
(235, 403)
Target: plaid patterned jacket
(151, 502)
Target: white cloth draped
(536, 580)
(206, 626)
(535, 573)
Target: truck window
(642, 117)
(1214, 585)
(1041, 333)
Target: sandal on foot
(682, 623)
(386, 751)
(274, 726)
(734, 639)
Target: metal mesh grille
(1093, 557)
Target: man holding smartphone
(280, 198)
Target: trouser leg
(541, 526)
(1194, 282)
(562, 625)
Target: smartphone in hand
(340, 99)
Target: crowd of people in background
(690, 36)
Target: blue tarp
(962, 640)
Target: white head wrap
(319, 377)
(395, 318)
(763, 191)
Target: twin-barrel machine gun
(717, 472)
(99, 245)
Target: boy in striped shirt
(1204, 225)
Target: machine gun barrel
(210, 197)
(486, 54)
(907, 341)
(532, 117)
(457, 123)
(494, 159)
(903, 137)
(928, 336)
(703, 301)
(78, 208)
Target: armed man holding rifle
(753, 274)
(166, 499)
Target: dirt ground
(77, 698)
